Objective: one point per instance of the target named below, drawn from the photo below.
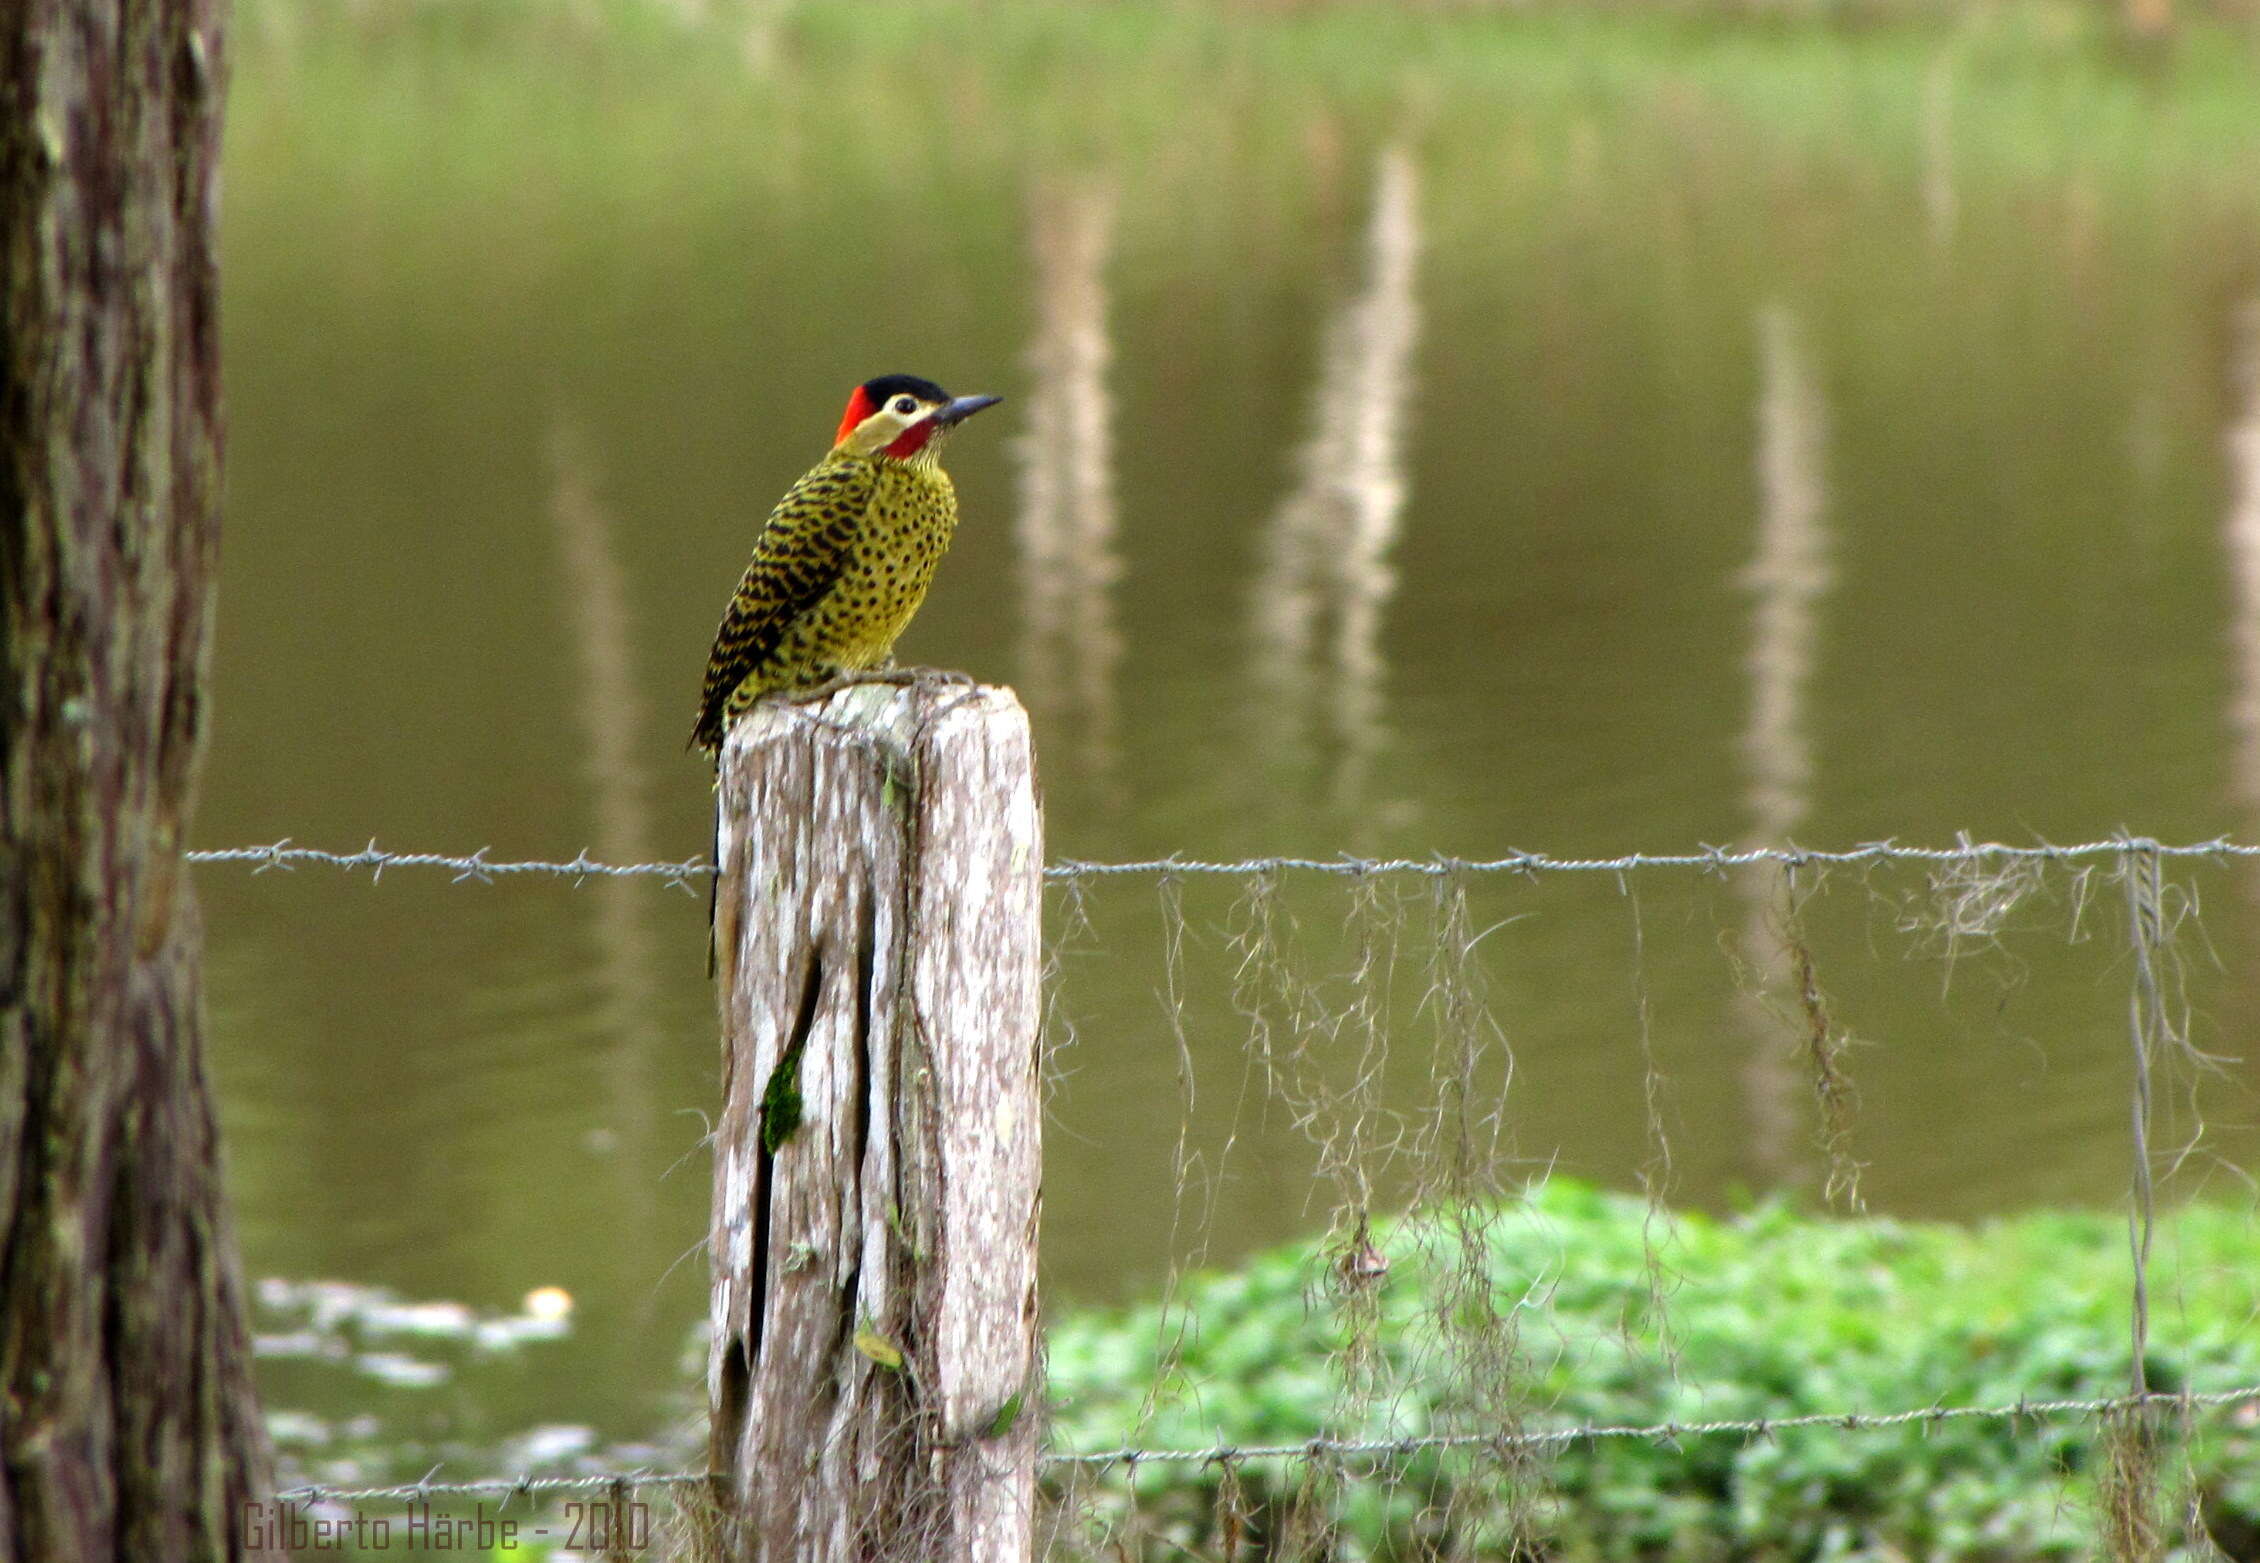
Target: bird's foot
(912, 678)
(936, 678)
(967, 686)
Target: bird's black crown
(902, 385)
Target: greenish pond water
(1441, 442)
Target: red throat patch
(912, 440)
(858, 408)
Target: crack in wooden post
(877, 929)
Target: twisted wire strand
(478, 867)
(1656, 1432)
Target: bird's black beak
(962, 408)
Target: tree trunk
(129, 1429)
(876, 1170)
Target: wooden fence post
(873, 1373)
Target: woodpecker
(846, 556)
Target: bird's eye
(905, 406)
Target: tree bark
(128, 1428)
(877, 1165)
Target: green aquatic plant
(1773, 1315)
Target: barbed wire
(2188, 1403)
(1667, 1432)
(511, 1486)
(475, 867)
(478, 867)
(1711, 859)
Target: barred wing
(796, 560)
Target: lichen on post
(877, 924)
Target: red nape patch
(912, 440)
(858, 408)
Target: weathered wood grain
(877, 1165)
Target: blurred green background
(1431, 430)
